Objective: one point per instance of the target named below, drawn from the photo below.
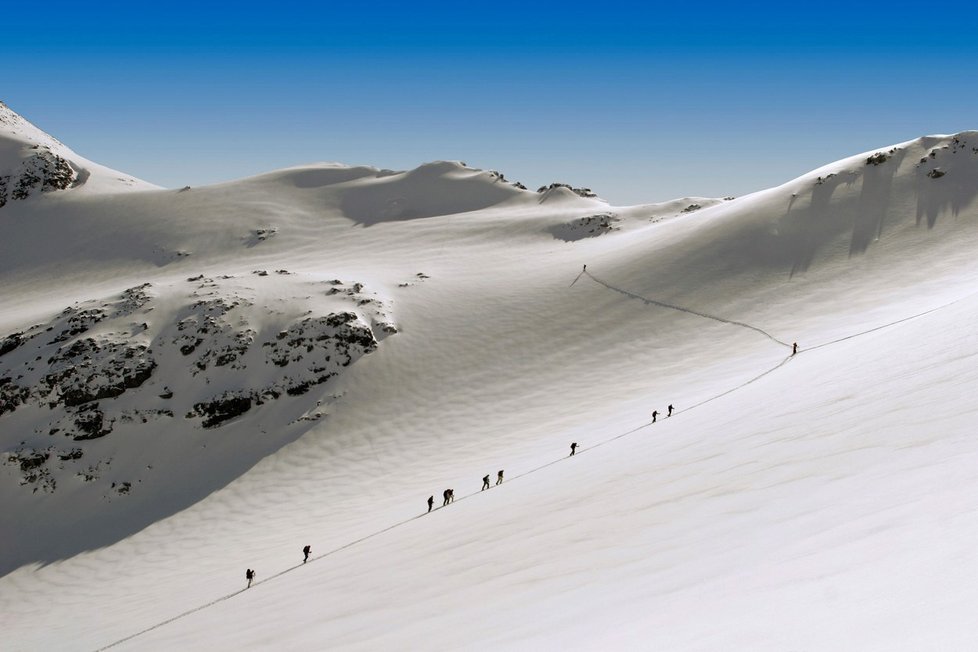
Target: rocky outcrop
(589, 226)
(40, 172)
(580, 192)
(215, 353)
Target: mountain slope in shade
(816, 501)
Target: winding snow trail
(687, 310)
(580, 450)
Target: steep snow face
(32, 162)
(817, 500)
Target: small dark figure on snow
(573, 448)
(306, 551)
(431, 502)
(446, 494)
(499, 477)
(655, 413)
(485, 483)
(670, 410)
(794, 348)
(585, 269)
(250, 576)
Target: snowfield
(197, 381)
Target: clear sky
(639, 101)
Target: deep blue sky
(638, 101)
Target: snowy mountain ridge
(202, 380)
(32, 161)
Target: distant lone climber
(655, 413)
(250, 576)
(485, 483)
(670, 410)
(306, 551)
(585, 269)
(431, 502)
(573, 448)
(447, 494)
(499, 477)
(794, 348)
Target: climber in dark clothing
(485, 483)
(250, 576)
(573, 447)
(670, 410)
(499, 477)
(655, 413)
(431, 502)
(794, 348)
(446, 495)
(306, 551)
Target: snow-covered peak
(32, 162)
(14, 127)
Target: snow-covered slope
(205, 380)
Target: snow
(819, 501)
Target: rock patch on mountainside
(211, 355)
(42, 171)
(589, 226)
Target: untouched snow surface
(820, 501)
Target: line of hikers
(448, 496)
(655, 413)
(250, 573)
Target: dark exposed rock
(11, 395)
(581, 192)
(10, 343)
(44, 171)
(91, 424)
(222, 408)
(91, 369)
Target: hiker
(794, 348)
(573, 448)
(306, 551)
(670, 410)
(485, 483)
(655, 413)
(446, 495)
(431, 502)
(249, 575)
(499, 477)
(585, 269)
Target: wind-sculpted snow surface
(247, 395)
